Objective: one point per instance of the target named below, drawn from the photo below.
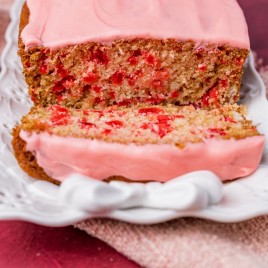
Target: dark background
(256, 12)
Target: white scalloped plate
(40, 202)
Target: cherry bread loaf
(134, 90)
(139, 143)
(196, 59)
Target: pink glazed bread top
(62, 156)
(57, 23)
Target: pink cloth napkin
(189, 242)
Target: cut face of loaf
(142, 125)
(129, 72)
(142, 143)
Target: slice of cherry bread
(143, 143)
(186, 66)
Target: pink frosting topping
(62, 156)
(56, 23)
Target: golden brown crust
(24, 17)
(26, 159)
(24, 20)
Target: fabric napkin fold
(188, 242)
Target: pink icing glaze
(61, 157)
(56, 23)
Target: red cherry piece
(158, 79)
(202, 67)
(59, 109)
(163, 118)
(97, 89)
(97, 100)
(213, 95)
(107, 131)
(239, 61)
(230, 119)
(219, 131)
(132, 80)
(43, 68)
(146, 126)
(115, 123)
(33, 98)
(133, 60)
(154, 100)
(59, 98)
(223, 82)
(91, 78)
(151, 110)
(100, 57)
(27, 64)
(83, 123)
(162, 130)
(118, 77)
(179, 116)
(137, 53)
(175, 95)
(101, 113)
(205, 100)
(60, 70)
(139, 73)
(112, 95)
(149, 58)
(58, 88)
(60, 115)
(125, 102)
